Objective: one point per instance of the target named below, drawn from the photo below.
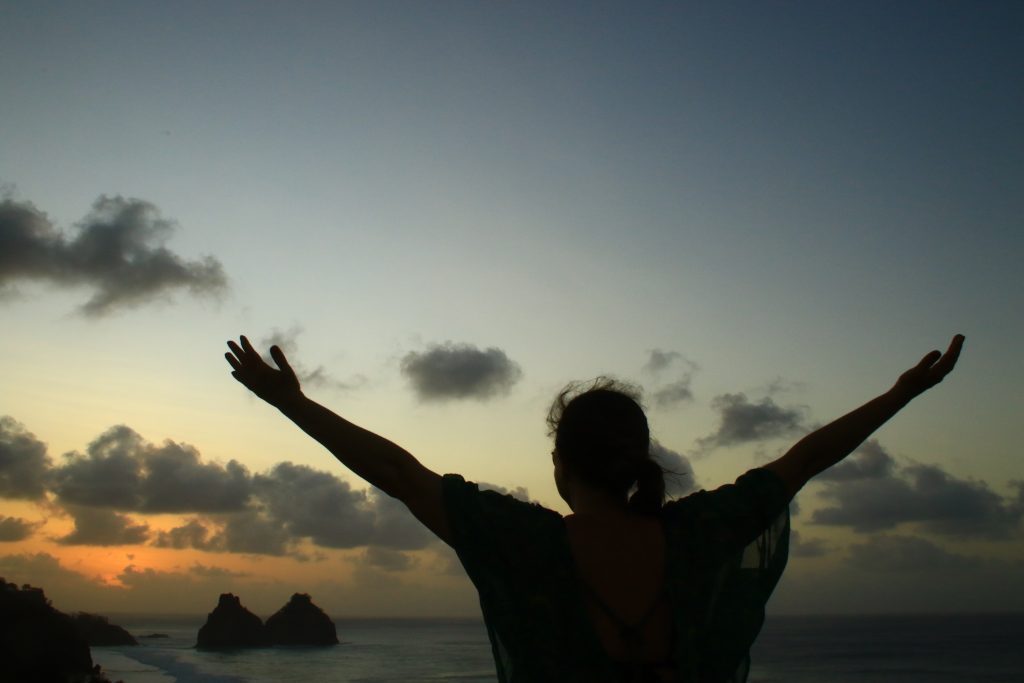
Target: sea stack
(230, 625)
(300, 622)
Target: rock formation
(230, 625)
(39, 643)
(300, 622)
(98, 630)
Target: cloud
(679, 477)
(659, 360)
(117, 251)
(459, 371)
(318, 376)
(214, 572)
(922, 494)
(742, 421)
(192, 534)
(387, 559)
(869, 461)
(269, 513)
(315, 504)
(800, 547)
(120, 470)
(24, 464)
(678, 390)
(15, 529)
(95, 526)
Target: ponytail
(650, 488)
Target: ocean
(863, 649)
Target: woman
(625, 588)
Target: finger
(928, 360)
(948, 360)
(278, 355)
(233, 362)
(248, 347)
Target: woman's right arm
(379, 461)
(828, 445)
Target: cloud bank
(870, 493)
(117, 252)
(459, 371)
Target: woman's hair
(601, 434)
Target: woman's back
(620, 561)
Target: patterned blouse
(725, 552)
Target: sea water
(875, 649)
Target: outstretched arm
(825, 447)
(380, 462)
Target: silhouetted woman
(626, 588)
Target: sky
(761, 213)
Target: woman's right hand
(276, 387)
(930, 371)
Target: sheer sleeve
(737, 537)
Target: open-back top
(725, 551)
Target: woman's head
(602, 438)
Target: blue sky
(798, 199)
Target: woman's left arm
(379, 461)
(826, 446)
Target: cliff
(39, 643)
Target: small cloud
(658, 361)
(190, 535)
(743, 421)
(24, 464)
(460, 371)
(15, 529)
(679, 390)
(318, 376)
(102, 527)
(117, 251)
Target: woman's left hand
(275, 386)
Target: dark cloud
(315, 504)
(742, 421)
(214, 572)
(869, 461)
(192, 534)
(801, 547)
(922, 494)
(117, 251)
(24, 464)
(318, 376)
(122, 471)
(387, 559)
(460, 371)
(15, 529)
(659, 361)
(394, 526)
(678, 390)
(670, 394)
(679, 477)
(95, 526)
